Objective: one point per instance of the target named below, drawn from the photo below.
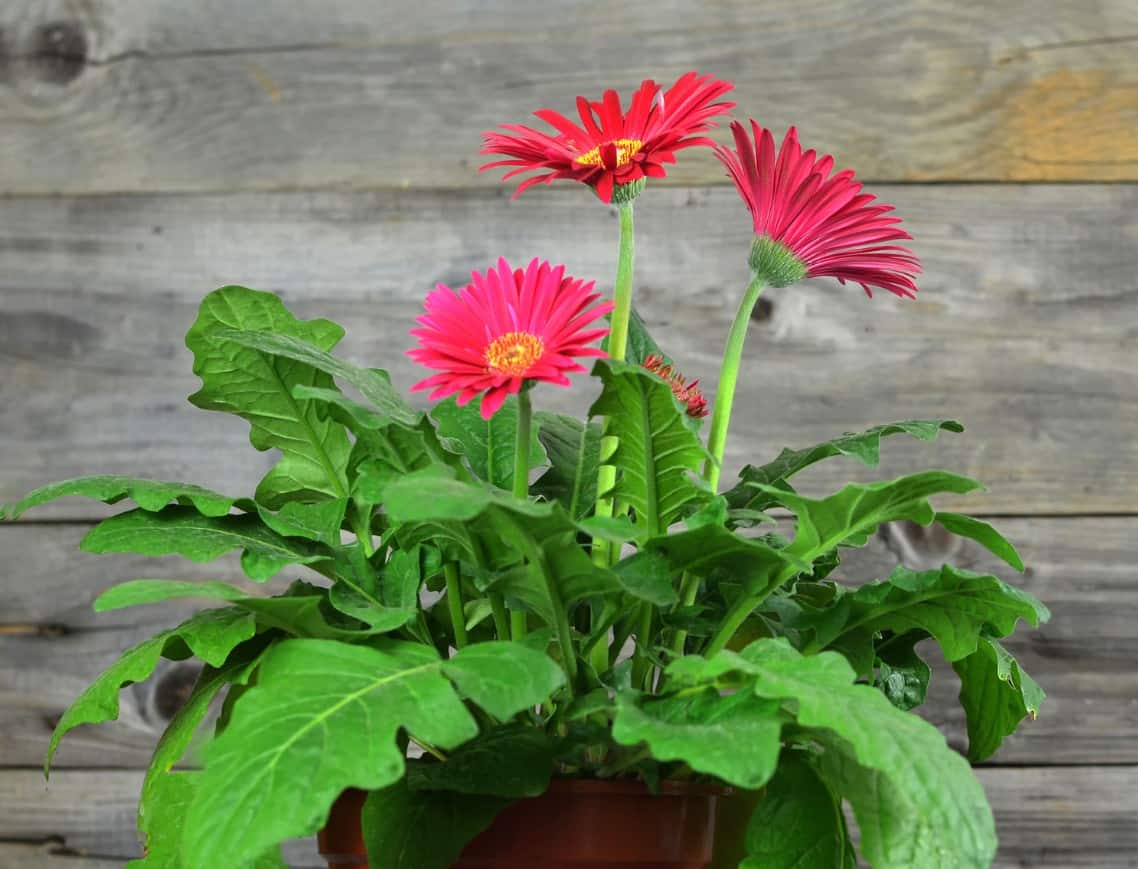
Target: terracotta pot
(576, 824)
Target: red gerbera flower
(506, 328)
(612, 147)
(809, 223)
(689, 393)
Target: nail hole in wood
(174, 689)
(59, 52)
(762, 311)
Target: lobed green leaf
(864, 446)
(734, 737)
(150, 495)
(291, 744)
(658, 452)
(257, 385)
(210, 635)
(997, 694)
(183, 531)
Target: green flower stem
(622, 293)
(603, 553)
(739, 611)
(728, 378)
(734, 620)
(689, 588)
(521, 446)
(617, 349)
(454, 603)
(518, 625)
(501, 615)
(642, 664)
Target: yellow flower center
(625, 150)
(514, 353)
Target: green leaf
(179, 733)
(139, 592)
(953, 606)
(300, 612)
(406, 829)
(373, 384)
(292, 743)
(917, 802)
(863, 446)
(487, 444)
(505, 528)
(383, 603)
(183, 531)
(503, 678)
(170, 798)
(257, 386)
(150, 495)
(901, 674)
(319, 521)
(512, 761)
(384, 449)
(982, 533)
(574, 450)
(797, 823)
(659, 451)
(734, 737)
(701, 550)
(647, 575)
(996, 695)
(210, 635)
(850, 516)
(430, 495)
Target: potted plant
(530, 639)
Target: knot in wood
(58, 52)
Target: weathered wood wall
(151, 150)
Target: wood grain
(1025, 327)
(1083, 658)
(141, 96)
(1060, 818)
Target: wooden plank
(1083, 658)
(140, 96)
(86, 813)
(1024, 329)
(1060, 817)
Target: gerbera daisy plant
(489, 602)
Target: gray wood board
(1061, 817)
(141, 96)
(54, 645)
(1025, 327)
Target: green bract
(453, 637)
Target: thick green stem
(689, 588)
(501, 615)
(622, 293)
(518, 624)
(734, 620)
(642, 664)
(521, 446)
(617, 349)
(454, 603)
(728, 378)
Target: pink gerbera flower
(809, 223)
(612, 147)
(505, 329)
